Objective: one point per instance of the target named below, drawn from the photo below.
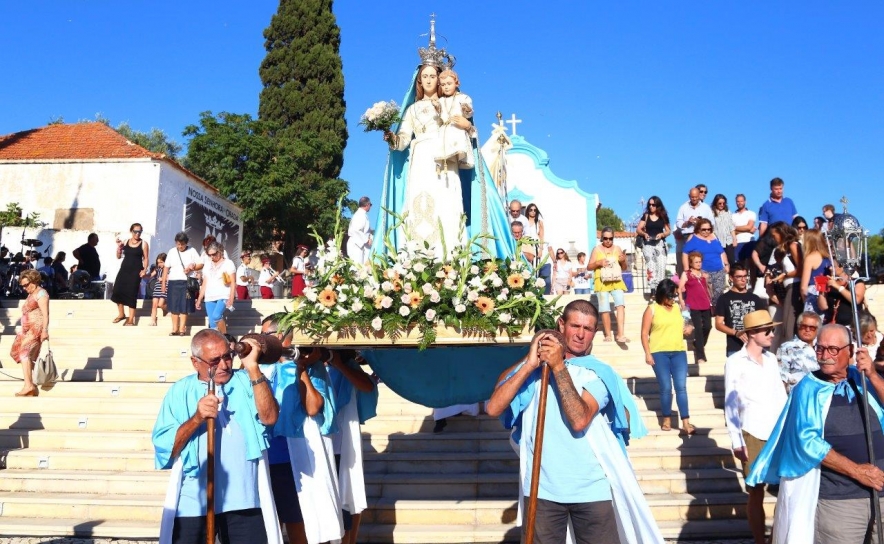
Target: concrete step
(82, 506)
(78, 527)
(81, 460)
(75, 392)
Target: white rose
(540, 283)
(473, 296)
(419, 267)
(430, 315)
(455, 301)
(440, 274)
(370, 291)
(310, 293)
(501, 298)
(448, 283)
(410, 276)
(406, 298)
(427, 288)
(515, 265)
(529, 294)
(387, 286)
(404, 311)
(505, 317)
(407, 288)
(474, 270)
(376, 323)
(526, 274)
(452, 274)
(496, 281)
(434, 297)
(342, 298)
(386, 302)
(343, 312)
(460, 308)
(357, 306)
(505, 291)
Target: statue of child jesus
(454, 141)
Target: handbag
(611, 272)
(45, 370)
(193, 284)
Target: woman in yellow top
(663, 330)
(610, 261)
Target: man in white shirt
(687, 217)
(754, 396)
(243, 277)
(359, 233)
(744, 225)
(516, 213)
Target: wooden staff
(210, 468)
(531, 511)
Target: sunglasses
(24, 283)
(703, 191)
(560, 252)
(766, 331)
(705, 230)
(607, 239)
(801, 227)
(137, 231)
(213, 254)
(652, 204)
(217, 360)
(804, 327)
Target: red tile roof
(83, 141)
(617, 234)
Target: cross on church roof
(513, 121)
(844, 203)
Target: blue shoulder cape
(366, 403)
(179, 405)
(796, 444)
(291, 410)
(621, 401)
(484, 208)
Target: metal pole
(876, 504)
(531, 511)
(210, 468)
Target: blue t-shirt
(771, 211)
(570, 472)
(711, 251)
(236, 478)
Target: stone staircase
(79, 461)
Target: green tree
(302, 103)
(12, 217)
(876, 250)
(606, 217)
(156, 140)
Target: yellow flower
(516, 281)
(327, 298)
(485, 305)
(397, 285)
(377, 302)
(490, 267)
(415, 299)
(391, 274)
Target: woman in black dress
(134, 253)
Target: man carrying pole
(241, 407)
(585, 479)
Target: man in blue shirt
(777, 208)
(574, 481)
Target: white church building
(86, 177)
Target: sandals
(689, 430)
(129, 324)
(32, 393)
(609, 338)
(666, 426)
(117, 320)
(622, 340)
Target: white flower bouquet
(414, 289)
(381, 116)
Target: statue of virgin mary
(433, 195)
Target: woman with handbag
(663, 333)
(34, 329)
(610, 260)
(180, 287)
(218, 288)
(696, 294)
(651, 234)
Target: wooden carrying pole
(531, 511)
(210, 468)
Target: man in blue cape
(818, 452)
(586, 480)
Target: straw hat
(759, 319)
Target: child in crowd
(159, 297)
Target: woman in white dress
(433, 194)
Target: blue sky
(629, 98)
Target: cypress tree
(303, 100)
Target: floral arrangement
(415, 288)
(381, 116)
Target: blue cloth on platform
(179, 405)
(366, 402)
(796, 444)
(485, 210)
(292, 413)
(442, 376)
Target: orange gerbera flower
(415, 299)
(516, 281)
(490, 267)
(397, 285)
(485, 305)
(377, 302)
(327, 298)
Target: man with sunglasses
(687, 217)
(733, 305)
(242, 407)
(797, 357)
(818, 452)
(753, 399)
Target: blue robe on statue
(483, 207)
